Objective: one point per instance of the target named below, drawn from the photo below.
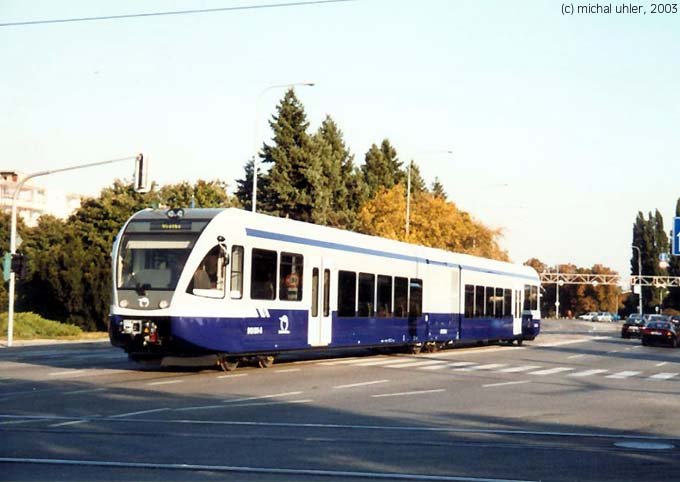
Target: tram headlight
(123, 303)
(163, 304)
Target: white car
(590, 316)
(603, 316)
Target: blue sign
(676, 233)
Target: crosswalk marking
(417, 363)
(551, 371)
(382, 361)
(587, 373)
(623, 374)
(489, 366)
(524, 368)
(663, 376)
(448, 365)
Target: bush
(30, 325)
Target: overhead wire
(176, 12)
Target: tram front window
(152, 262)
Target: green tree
(290, 179)
(382, 168)
(202, 194)
(650, 236)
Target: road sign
(676, 233)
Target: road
(577, 404)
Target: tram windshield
(152, 261)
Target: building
(33, 200)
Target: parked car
(660, 332)
(588, 316)
(603, 316)
(633, 326)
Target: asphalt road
(577, 404)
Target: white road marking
(551, 371)
(64, 424)
(413, 364)
(235, 375)
(262, 397)
(164, 382)
(571, 342)
(502, 384)
(382, 361)
(141, 412)
(259, 404)
(489, 366)
(575, 356)
(200, 407)
(588, 373)
(661, 364)
(362, 384)
(524, 368)
(406, 394)
(288, 370)
(288, 472)
(449, 365)
(67, 373)
(87, 390)
(624, 374)
(663, 376)
(342, 362)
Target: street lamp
(639, 277)
(255, 134)
(408, 188)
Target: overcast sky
(562, 127)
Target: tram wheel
(265, 361)
(228, 364)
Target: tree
(333, 178)
(289, 188)
(650, 236)
(434, 222)
(203, 194)
(382, 168)
(438, 189)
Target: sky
(561, 128)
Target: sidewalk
(41, 342)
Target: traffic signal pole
(140, 175)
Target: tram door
(320, 321)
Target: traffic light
(141, 174)
(6, 265)
(19, 265)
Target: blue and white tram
(229, 284)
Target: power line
(178, 12)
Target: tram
(224, 285)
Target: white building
(33, 200)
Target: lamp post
(639, 277)
(557, 292)
(255, 134)
(408, 189)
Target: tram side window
(315, 292)
(416, 298)
(209, 277)
(530, 297)
(236, 287)
(400, 297)
(498, 302)
(366, 294)
(488, 296)
(326, 292)
(384, 296)
(347, 286)
(507, 303)
(290, 277)
(263, 275)
(469, 301)
(479, 301)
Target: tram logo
(143, 302)
(284, 324)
